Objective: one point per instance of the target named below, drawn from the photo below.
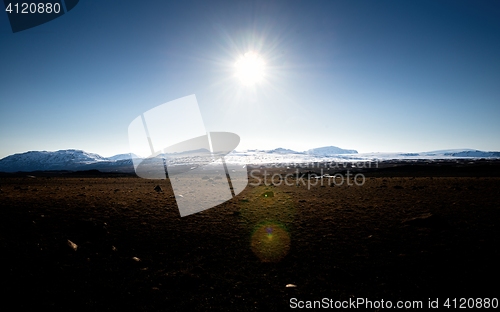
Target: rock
(268, 194)
(158, 189)
(72, 245)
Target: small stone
(72, 245)
(268, 194)
(158, 189)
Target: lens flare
(270, 242)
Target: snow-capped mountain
(60, 160)
(462, 153)
(74, 160)
(329, 150)
(126, 156)
(320, 151)
(281, 150)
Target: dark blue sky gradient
(367, 75)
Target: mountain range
(71, 159)
(74, 160)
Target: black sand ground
(403, 235)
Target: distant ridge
(463, 153)
(281, 150)
(71, 159)
(77, 160)
(320, 151)
(330, 150)
(123, 156)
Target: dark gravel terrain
(108, 242)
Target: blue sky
(373, 76)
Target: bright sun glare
(250, 68)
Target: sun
(250, 68)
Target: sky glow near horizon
(385, 76)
